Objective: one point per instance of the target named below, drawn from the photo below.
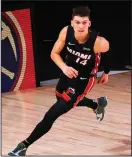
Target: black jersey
(82, 56)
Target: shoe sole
(11, 154)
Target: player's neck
(82, 39)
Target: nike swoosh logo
(87, 49)
(71, 43)
(83, 78)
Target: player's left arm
(102, 46)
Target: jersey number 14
(83, 62)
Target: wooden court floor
(76, 132)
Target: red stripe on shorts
(58, 94)
(88, 88)
(65, 97)
(91, 79)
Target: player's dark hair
(81, 11)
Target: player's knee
(59, 108)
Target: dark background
(111, 19)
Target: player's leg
(60, 107)
(90, 103)
(98, 105)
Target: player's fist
(103, 79)
(70, 72)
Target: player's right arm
(55, 55)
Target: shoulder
(101, 44)
(64, 30)
(63, 33)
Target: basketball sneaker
(20, 150)
(100, 110)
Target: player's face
(80, 25)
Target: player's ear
(89, 23)
(71, 23)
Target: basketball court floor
(76, 132)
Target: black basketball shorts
(74, 89)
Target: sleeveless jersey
(82, 56)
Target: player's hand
(103, 79)
(70, 72)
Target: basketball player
(83, 52)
